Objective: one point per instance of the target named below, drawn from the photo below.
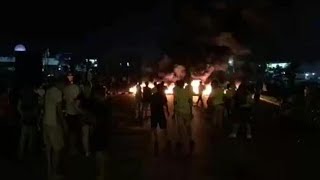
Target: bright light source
(307, 74)
(128, 64)
(313, 74)
(20, 48)
(283, 73)
(120, 64)
(59, 68)
(231, 61)
(195, 87)
(93, 60)
(95, 65)
(275, 65)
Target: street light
(20, 48)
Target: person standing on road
(217, 104)
(243, 110)
(138, 101)
(146, 100)
(28, 109)
(228, 99)
(71, 93)
(258, 89)
(159, 113)
(201, 89)
(183, 115)
(101, 111)
(53, 127)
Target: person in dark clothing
(146, 95)
(28, 109)
(159, 110)
(242, 110)
(258, 89)
(101, 110)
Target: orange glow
(133, 89)
(195, 87)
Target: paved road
(273, 153)
(264, 157)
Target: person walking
(53, 128)
(183, 115)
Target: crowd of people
(67, 118)
(63, 118)
(225, 103)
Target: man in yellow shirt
(217, 103)
(183, 114)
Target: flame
(133, 89)
(169, 89)
(195, 88)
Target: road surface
(273, 153)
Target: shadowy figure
(200, 94)
(159, 112)
(146, 100)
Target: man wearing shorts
(159, 107)
(183, 114)
(53, 127)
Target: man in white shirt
(71, 93)
(53, 127)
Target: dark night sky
(66, 27)
(60, 25)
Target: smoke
(227, 39)
(179, 73)
(164, 63)
(209, 70)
